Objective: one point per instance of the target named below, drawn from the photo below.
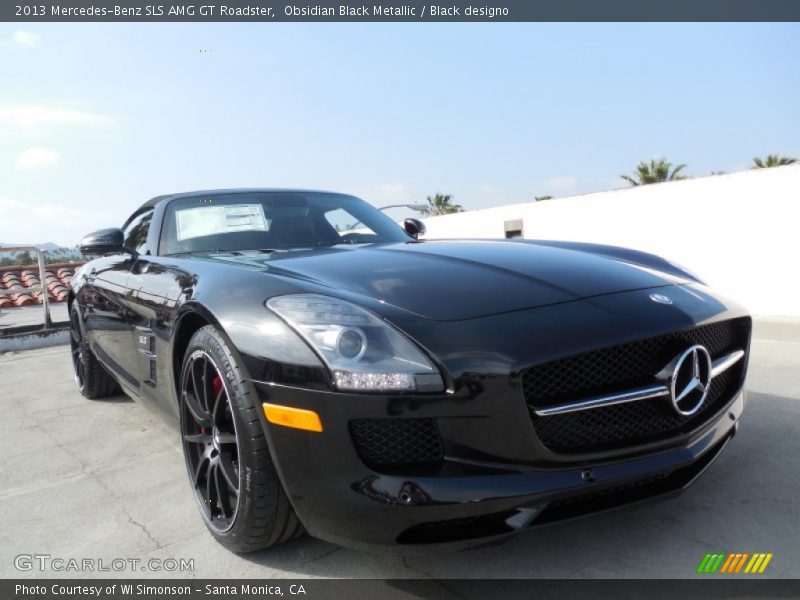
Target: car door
(106, 315)
(116, 306)
(155, 286)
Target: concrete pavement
(105, 480)
(32, 315)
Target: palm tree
(440, 204)
(656, 171)
(772, 160)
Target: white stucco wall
(740, 232)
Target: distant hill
(48, 246)
(52, 251)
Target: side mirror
(414, 227)
(102, 242)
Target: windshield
(244, 221)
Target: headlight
(363, 352)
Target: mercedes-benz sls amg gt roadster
(330, 372)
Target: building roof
(21, 279)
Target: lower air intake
(397, 443)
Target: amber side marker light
(296, 418)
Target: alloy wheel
(209, 440)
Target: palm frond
(676, 172)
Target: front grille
(631, 423)
(624, 367)
(397, 443)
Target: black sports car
(331, 373)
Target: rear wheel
(92, 379)
(224, 446)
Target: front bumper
(487, 486)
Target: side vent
(153, 371)
(145, 340)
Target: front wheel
(224, 446)
(92, 379)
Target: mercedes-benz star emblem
(661, 298)
(690, 380)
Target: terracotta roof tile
(56, 278)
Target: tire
(91, 377)
(224, 446)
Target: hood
(456, 280)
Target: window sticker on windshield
(212, 220)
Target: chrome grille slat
(719, 366)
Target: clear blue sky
(94, 119)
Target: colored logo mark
(735, 562)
